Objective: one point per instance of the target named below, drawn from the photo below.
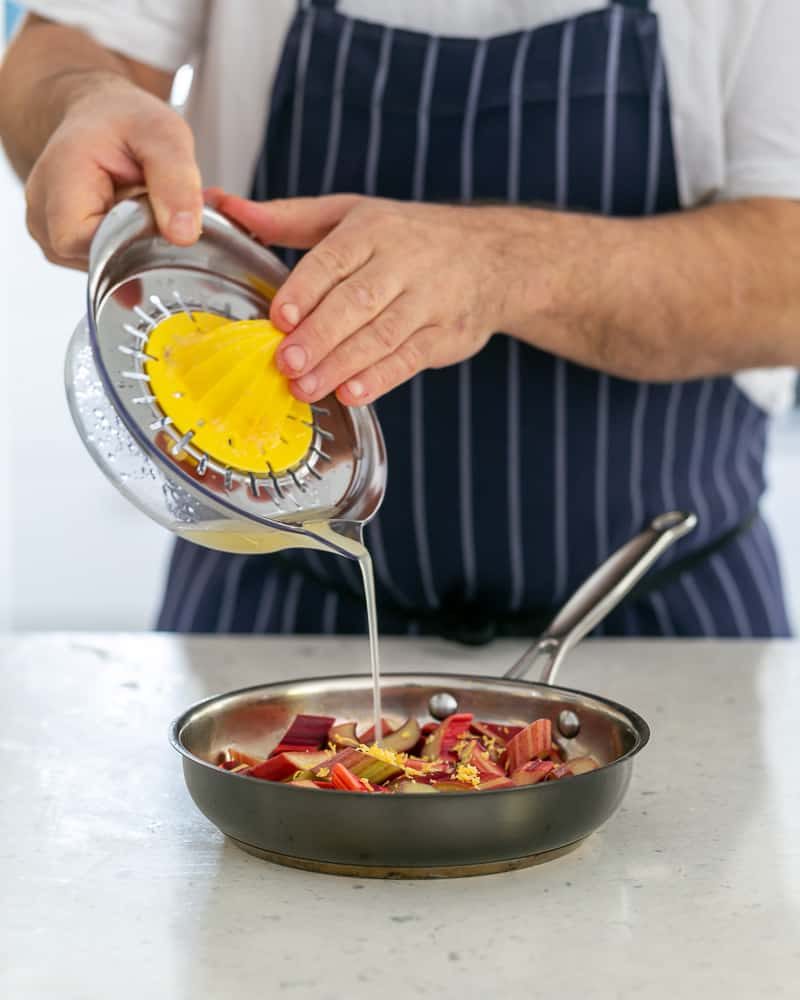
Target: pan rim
(638, 724)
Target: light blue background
(13, 14)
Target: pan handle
(601, 593)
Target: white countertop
(112, 885)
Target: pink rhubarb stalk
(534, 740)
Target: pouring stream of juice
(258, 540)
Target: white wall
(5, 439)
(74, 553)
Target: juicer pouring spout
(345, 537)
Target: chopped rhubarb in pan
(440, 743)
(532, 773)
(307, 732)
(534, 740)
(346, 781)
(453, 786)
(286, 765)
(429, 770)
(475, 755)
(501, 732)
(404, 738)
(490, 783)
(458, 754)
(343, 735)
(348, 756)
(376, 769)
(406, 787)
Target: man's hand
(113, 136)
(83, 125)
(389, 289)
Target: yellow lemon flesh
(219, 379)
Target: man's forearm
(48, 67)
(679, 296)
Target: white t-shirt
(732, 65)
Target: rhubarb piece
(582, 765)
(349, 756)
(502, 732)
(560, 771)
(404, 738)
(307, 732)
(286, 765)
(534, 740)
(343, 735)
(368, 736)
(488, 730)
(494, 745)
(424, 732)
(409, 787)
(427, 770)
(345, 780)
(491, 783)
(475, 755)
(453, 786)
(374, 764)
(377, 771)
(532, 773)
(441, 742)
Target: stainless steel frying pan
(424, 836)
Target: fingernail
(291, 313)
(183, 226)
(356, 388)
(294, 357)
(307, 384)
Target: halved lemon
(218, 379)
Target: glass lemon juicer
(172, 386)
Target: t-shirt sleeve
(762, 107)
(162, 33)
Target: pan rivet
(569, 724)
(442, 704)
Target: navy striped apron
(514, 473)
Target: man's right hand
(113, 136)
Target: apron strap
(635, 4)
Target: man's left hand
(388, 289)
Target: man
(644, 264)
